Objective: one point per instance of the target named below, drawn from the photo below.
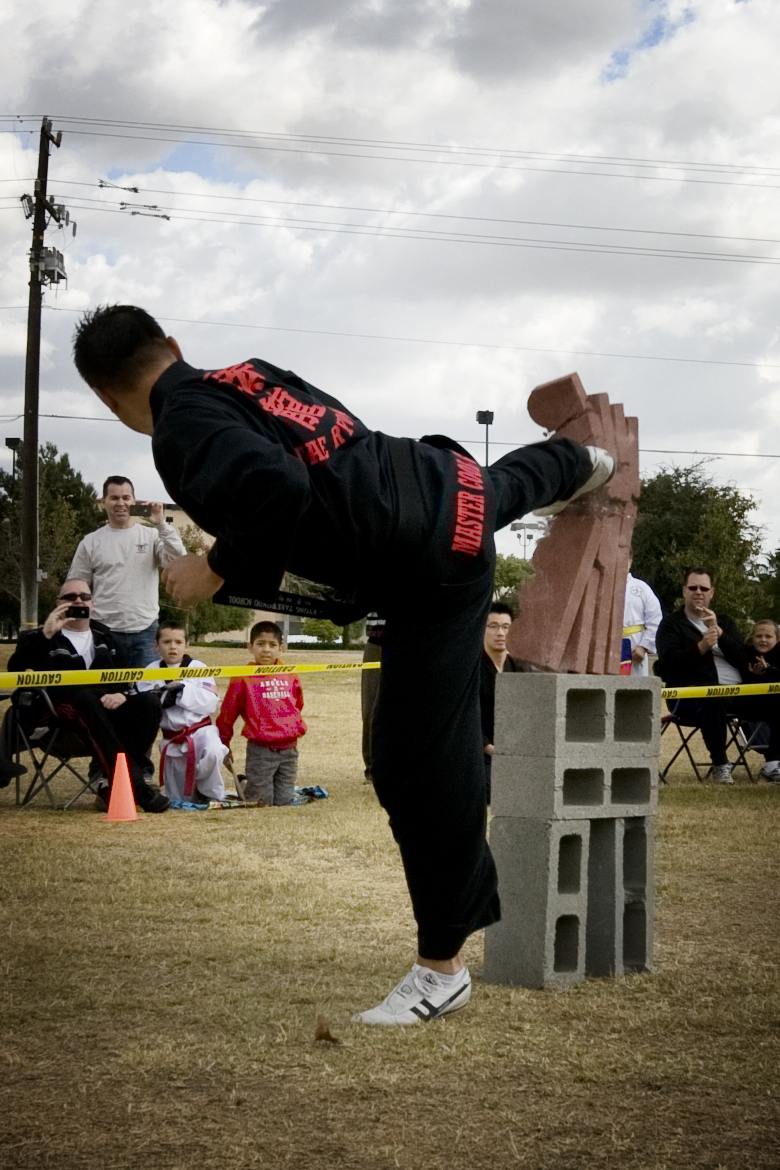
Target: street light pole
(14, 445)
(485, 418)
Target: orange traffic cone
(121, 806)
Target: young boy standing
(271, 707)
(192, 750)
(287, 479)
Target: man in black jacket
(495, 659)
(287, 479)
(697, 647)
(109, 717)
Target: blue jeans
(137, 648)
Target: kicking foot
(421, 996)
(602, 472)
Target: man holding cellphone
(111, 718)
(121, 561)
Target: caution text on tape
(126, 676)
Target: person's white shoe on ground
(421, 996)
(721, 774)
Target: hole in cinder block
(635, 937)
(586, 716)
(633, 716)
(569, 863)
(630, 785)
(635, 856)
(583, 786)
(567, 943)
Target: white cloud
(692, 82)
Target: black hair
(118, 480)
(700, 571)
(113, 344)
(171, 624)
(502, 607)
(266, 628)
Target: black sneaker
(151, 801)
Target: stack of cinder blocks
(575, 790)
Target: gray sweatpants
(270, 774)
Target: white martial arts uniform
(197, 701)
(641, 608)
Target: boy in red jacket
(271, 708)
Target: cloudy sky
(425, 207)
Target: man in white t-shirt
(111, 718)
(121, 561)
(697, 647)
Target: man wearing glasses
(495, 660)
(113, 718)
(698, 647)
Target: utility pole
(46, 267)
(485, 418)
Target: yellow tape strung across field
(721, 692)
(91, 678)
(87, 678)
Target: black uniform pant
(130, 728)
(709, 715)
(427, 745)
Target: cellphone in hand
(141, 510)
(77, 611)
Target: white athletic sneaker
(770, 771)
(421, 996)
(721, 774)
(603, 470)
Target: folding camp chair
(686, 733)
(746, 736)
(36, 728)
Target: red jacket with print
(271, 707)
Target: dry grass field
(161, 981)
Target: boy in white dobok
(192, 751)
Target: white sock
(445, 980)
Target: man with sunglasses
(698, 647)
(113, 718)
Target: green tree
(206, 617)
(322, 629)
(67, 511)
(511, 574)
(686, 519)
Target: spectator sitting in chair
(697, 647)
(109, 717)
(763, 652)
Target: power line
(409, 212)
(644, 357)
(431, 236)
(495, 442)
(254, 144)
(451, 148)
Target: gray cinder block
(542, 875)
(557, 714)
(567, 788)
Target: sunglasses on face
(698, 588)
(76, 597)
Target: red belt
(183, 736)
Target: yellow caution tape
(628, 630)
(91, 678)
(718, 692)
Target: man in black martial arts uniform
(287, 479)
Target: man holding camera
(109, 718)
(121, 561)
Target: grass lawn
(161, 982)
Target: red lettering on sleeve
(469, 473)
(469, 521)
